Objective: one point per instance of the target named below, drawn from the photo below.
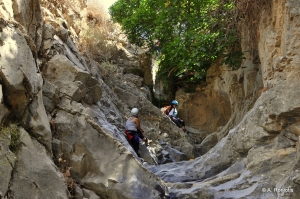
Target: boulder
(50, 96)
(100, 162)
(35, 175)
(19, 76)
(4, 111)
(35, 119)
(175, 154)
(7, 162)
(136, 80)
(28, 13)
(216, 160)
(72, 81)
(209, 142)
(6, 9)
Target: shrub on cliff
(192, 34)
(11, 132)
(96, 38)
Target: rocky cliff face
(257, 151)
(70, 113)
(70, 123)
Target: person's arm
(138, 125)
(167, 110)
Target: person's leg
(175, 120)
(135, 142)
(182, 123)
(135, 146)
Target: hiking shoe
(186, 131)
(147, 142)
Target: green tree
(192, 34)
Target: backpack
(167, 109)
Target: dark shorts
(179, 122)
(135, 140)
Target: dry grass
(108, 69)
(65, 170)
(12, 133)
(96, 39)
(98, 17)
(92, 25)
(62, 4)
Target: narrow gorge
(63, 110)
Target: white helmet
(134, 111)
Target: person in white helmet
(134, 131)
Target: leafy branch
(192, 34)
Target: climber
(172, 112)
(134, 131)
(158, 47)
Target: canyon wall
(62, 114)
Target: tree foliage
(192, 34)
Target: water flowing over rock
(70, 110)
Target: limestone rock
(245, 121)
(260, 135)
(78, 192)
(199, 110)
(177, 155)
(4, 111)
(48, 32)
(29, 14)
(133, 79)
(35, 175)
(213, 162)
(209, 142)
(89, 194)
(295, 129)
(63, 34)
(19, 75)
(87, 140)
(50, 96)
(128, 92)
(64, 74)
(7, 163)
(36, 120)
(6, 9)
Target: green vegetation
(12, 131)
(192, 34)
(107, 68)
